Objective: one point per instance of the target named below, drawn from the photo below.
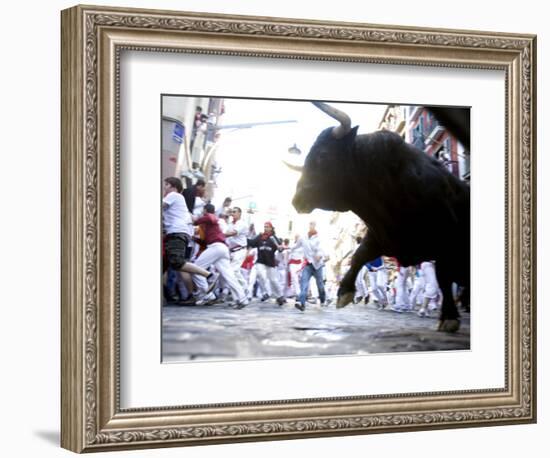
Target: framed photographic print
(278, 228)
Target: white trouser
(360, 285)
(417, 293)
(374, 291)
(252, 277)
(431, 289)
(401, 296)
(432, 302)
(381, 284)
(266, 273)
(246, 275)
(281, 271)
(373, 287)
(294, 270)
(199, 281)
(217, 254)
(313, 290)
(431, 292)
(237, 258)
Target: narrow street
(265, 330)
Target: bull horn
(345, 121)
(296, 168)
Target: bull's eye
(322, 160)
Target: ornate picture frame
(93, 39)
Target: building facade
(189, 137)
(428, 135)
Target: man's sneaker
(300, 306)
(281, 300)
(264, 298)
(207, 299)
(422, 312)
(213, 279)
(242, 304)
(187, 301)
(172, 298)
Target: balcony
(433, 132)
(414, 111)
(418, 142)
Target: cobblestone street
(265, 330)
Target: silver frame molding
(92, 40)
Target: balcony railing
(433, 133)
(418, 142)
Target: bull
(414, 208)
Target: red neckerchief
(311, 233)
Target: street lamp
(294, 150)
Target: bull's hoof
(344, 299)
(449, 325)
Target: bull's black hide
(414, 208)
(456, 121)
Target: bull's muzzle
(300, 202)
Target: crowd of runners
(211, 255)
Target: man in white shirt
(237, 242)
(178, 229)
(295, 260)
(194, 198)
(314, 257)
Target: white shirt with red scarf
(313, 253)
